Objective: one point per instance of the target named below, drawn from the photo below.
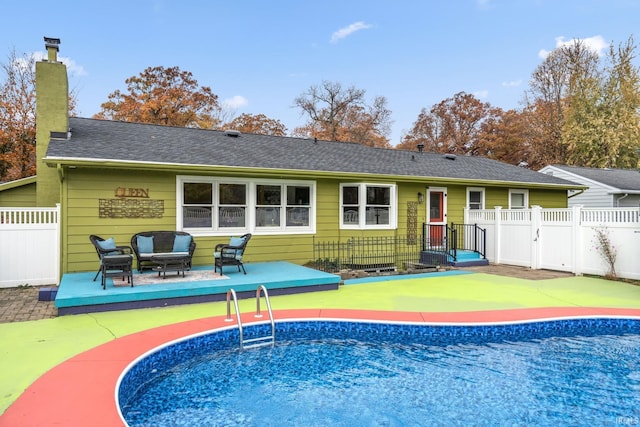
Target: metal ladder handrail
(260, 340)
(231, 293)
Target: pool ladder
(252, 342)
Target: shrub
(606, 250)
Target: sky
(258, 56)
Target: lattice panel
(412, 221)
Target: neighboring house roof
(118, 144)
(619, 180)
(17, 183)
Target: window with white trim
(518, 199)
(283, 205)
(475, 198)
(241, 205)
(368, 206)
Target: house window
(232, 206)
(197, 204)
(268, 205)
(283, 204)
(298, 205)
(475, 198)
(240, 206)
(518, 199)
(367, 206)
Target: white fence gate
(29, 246)
(561, 239)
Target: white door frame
(442, 190)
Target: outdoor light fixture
(420, 198)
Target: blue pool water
(321, 373)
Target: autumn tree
(339, 114)
(425, 133)
(602, 128)
(548, 88)
(622, 93)
(451, 126)
(164, 96)
(18, 117)
(257, 123)
(584, 113)
(504, 136)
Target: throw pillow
(145, 244)
(181, 243)
(237, 241)
(108, 244)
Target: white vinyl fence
(561, 239)
(29, 246)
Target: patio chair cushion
(232, 253)
(107, 244)
(237, 241)
(181, 243)
(145, 244)
(237, 256)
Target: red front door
(437, 218)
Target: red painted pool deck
(82, 390)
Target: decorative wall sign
(142, 193)
(131, 208)
(412, 222)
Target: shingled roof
(102, 141)
(625, 180)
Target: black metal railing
(437, 245)
(449, 239)
(373, 254)
(469, 237)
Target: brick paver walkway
(21, 304)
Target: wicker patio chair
(114, 260)
(231, 253)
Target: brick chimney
(52, 109)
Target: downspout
(60, 173)
(620, 198)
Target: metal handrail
(231, 293)
(258, 314)
(457, 237)
(261, 289)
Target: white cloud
(72, 67)
(481, 94)
(348, 30)
(513, 83)
(596, 43)
(235, 102)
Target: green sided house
(117, 179)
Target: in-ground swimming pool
(320, 373)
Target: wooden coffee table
(170, 262)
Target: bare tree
(339, 114)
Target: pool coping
(81, 390)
